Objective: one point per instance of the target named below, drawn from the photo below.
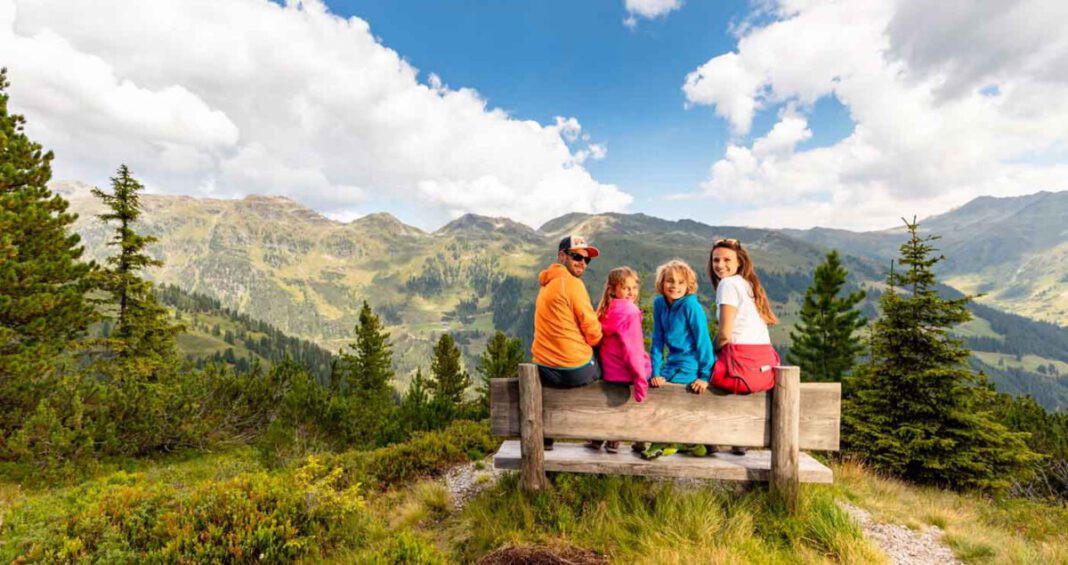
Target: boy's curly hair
(681, 270)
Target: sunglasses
(578, 257)
(728, 241)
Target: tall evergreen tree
(142, 328)
(500, 360)
(448, 379)
(367, 375)
(824, 345)
(42, 281)
(915, 410)
(415, 409)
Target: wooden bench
(791, 417)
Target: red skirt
(745, 368)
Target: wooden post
(785, 423)
(532, 469)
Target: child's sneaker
(660, 450)
(738, 450)
(611, 446)
(638, 446)
(547, 444)
(697, 450)
(595, 444)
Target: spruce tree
(824, 345)
(142, 329)
(500, 360)
(42, 281)
(415, 409)
(366, 375)
(448, 379)
(915, 410)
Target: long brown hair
(748, 272)
(616, 277)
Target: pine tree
(415, 409)
(915, 410)
(142, 328)
(42, 281)
(366, 376)
(448, 379)
(500, 360)
(824, 345)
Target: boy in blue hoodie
(679, 323)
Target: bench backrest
(669, 414)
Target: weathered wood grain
(532, 473)
(574, 458)
(784, 436)
(669, 413)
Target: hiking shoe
(697, 450)
(611, 447)
(547, 444)
(638, 446)
(595, 444)
(660, 450)
(737, 450)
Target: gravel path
(464, 482)
(902, 545)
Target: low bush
(426, 454)
(250, 517)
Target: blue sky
(776, 113)
(537, 60)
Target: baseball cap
(575, 241)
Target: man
(566, 328)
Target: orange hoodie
(565, 326)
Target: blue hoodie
(683, 327)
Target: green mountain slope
(273, 260)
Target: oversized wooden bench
(791, 417)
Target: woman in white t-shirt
(745, 359)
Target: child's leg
(595, 444)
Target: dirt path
(902, 545)
(466, 481)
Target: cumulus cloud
(948, 103)
(648, 9)
(247, 96)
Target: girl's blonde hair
(681, 270)
(616, 277)
(748, 272)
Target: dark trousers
(555, 377)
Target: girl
(746, 358)
(623, 356)
(679, 323)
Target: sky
(789, 113)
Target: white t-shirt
(749, 327)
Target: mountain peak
(385, 223)
(474, 225)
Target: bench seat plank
(575, 458)
(669, 414)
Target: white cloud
(648, 9)
(246, 96)
(929, 133)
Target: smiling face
(627, 290)
(675, 286)
(724, 262)
(574, 266)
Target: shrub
(250, 517)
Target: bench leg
(531, 433)
(785, 427)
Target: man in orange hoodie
(566, 328)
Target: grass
(978, 529)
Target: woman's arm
(727, 315)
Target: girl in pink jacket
(624, 358)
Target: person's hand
(657, 381)
(698, 386)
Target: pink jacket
(623, 355)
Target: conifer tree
(824, 345)
(500, 360)
(448, 379)
(367, 375)
(142, 329)
(415, 407)
(915, 410)
(42, 281)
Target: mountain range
(280, 262)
